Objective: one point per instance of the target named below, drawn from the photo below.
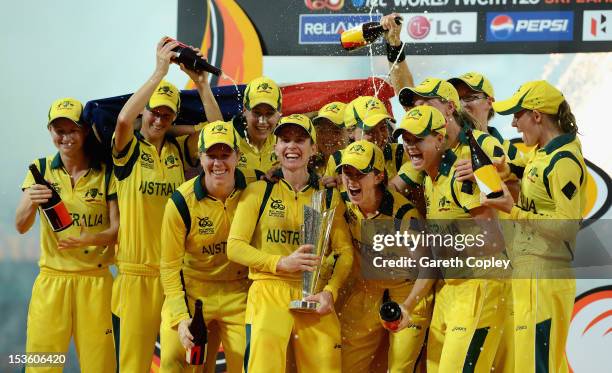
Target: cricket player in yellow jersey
(477, 96)
(367, 199)
(444, 97)
(269, 245)
(262, 105)
(466, 324)
(149, 166)
(72, 294)
(194, 263)
(548, 215)
(332, 135)
(371, 121)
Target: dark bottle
(54, 209)
(197, 354)
(390, 313)
(486, 175)
(191, 60)
(362, 35)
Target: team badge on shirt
(205, 225)
(277, 209)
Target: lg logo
(419, 27)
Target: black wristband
(395, 53)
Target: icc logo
(146, 157)
(204, 222)
(502, 27)
(277, 204)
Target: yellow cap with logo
(68, 108)
(166, 94)
(536, 95)
(476, 81)
(365, 112)
(217, 132)
(334, 111)
(262, 90)
(297, 120)
(421, 121)
(365, 156)
(431, 88)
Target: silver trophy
(315, 231)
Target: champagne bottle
(54, 209)
(390, 312)
(362, 35)
(487, 178)
(197, 354)
(191, 60)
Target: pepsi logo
(418, 27)
(502, 26)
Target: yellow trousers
(79, 305)
(137, 301)
(271, 326)
(542, 314)
(363, 333)
(224, 305)
(466, 326)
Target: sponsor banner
(439, 27)
(530, 26)
(326, 28)
(597, 25)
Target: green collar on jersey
(448, 160)
(495, 133)
(313, 178)
(558, 142)
(386, 205)
(200, 190)
(57, 163)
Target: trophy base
(303, 306)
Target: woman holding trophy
(278, 311)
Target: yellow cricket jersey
(553, 188)
(267, 227)
(251, 157)
(87, 203)
(447, 202)
(393, 206)
(145, 181)
(394, 154)
(194, 240)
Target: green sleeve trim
(111, 197)
(329, 194)
(512, 150)
(123, 152)
(122, 172)
(264, 202)
(181, 206)
(557, 157)
(408, 180)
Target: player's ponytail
(565, 119)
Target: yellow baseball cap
(262, 90)
(421, 121)
(217, 132)
(476, 81)
(68, 108)
(334, 111)
(365, 112)
(297, 120)
(430, 87)
(166, 94)
(536, 95)
(364, 156)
